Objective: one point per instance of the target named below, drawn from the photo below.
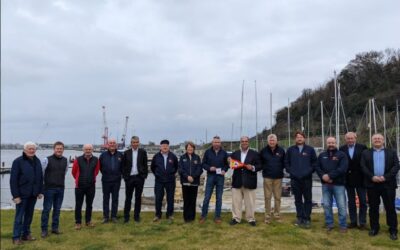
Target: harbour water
(7, 156)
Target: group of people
(351, 169)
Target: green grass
(179, 235)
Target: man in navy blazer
(355, 181)
(244, 182)
(380, 166)
(26, 183)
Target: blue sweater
(334, 163)
(26, 178)
(298, 164)
(273, 162)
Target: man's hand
(213, 169)
(376, 179)
(326, 178)
(382, 179)
(249, 167)
(40, 196)
(190, 179)
(229, 159)
(222, 172)
(17, 200)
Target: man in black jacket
(111, 170)
(354, 181)
(244, 182)
(164, 166)
(55, 168)
(380, 166)
(135, 172)
(273, 162)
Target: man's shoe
(233, 222)
(307, 224)
(156, 219)
(329, 229)
(298, 223)
(343, 230)
(28, 238)
(373, 232)
(352, 225)
(90, 224)
(126, 221)
(137, 219)
(278, 219)
(393, 236)
(218, 221)
(267, 220)
(252, 223)
(56, 231)
(17, 242)
(362, 227)
(202, 220)
(44, 234)
(78, 226)
(105, 221)
(114, 220)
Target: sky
(176, 68)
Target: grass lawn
(178, 235)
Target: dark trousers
(110, 189)
(374, 200)
(132, 183)
(23, 217)
(159, 189)
(80, 194)
(53, 197)
(302, 190)
(189, 202)
(362, 201)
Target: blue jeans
(23, 217)
(329, 192)
(362, 198)
(218, 182)
(53, 197)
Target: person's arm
(342, 168)
(75, 168)
(153, 164)
(395, 167)
(318, 167)
(40, 179)
(287, 161)
(314, 159)
(206, 165)
(97, 169)
(198, 170)
(176, 164)
(226, 164)
(364, 164)
(145, 162)
(182, 170)
(257, 162)
(14, 176)
(101, 158)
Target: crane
(105, 135)
(123, 139)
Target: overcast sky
(174, 67)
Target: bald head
(112, 145)
(88, 150)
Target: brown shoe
(17, 242)
(343, 230)
(28, 238)
(90, 224)
(78, 226)
(218, 221)
(202, 220)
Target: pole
(336, 107)
(255, 90)
(384, 125)
(288, 119)
(322, 126)
(370, 122)
(241, 112)
(308, 122)
(397, 129)
(270, 111)
(302, 126)
(232, 138)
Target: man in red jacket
(85, 169)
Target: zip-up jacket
(85, 171)
(162, 173)
(300, 165)
(111, 166)
(334, 163)
(273, 162)
(217, 159)
(190, 167)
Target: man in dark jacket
(215, 162)
(135, 172)
(26, 184)
(331, 168)
(300, 162)
(55, 168)
(190, 169)
(380, 166)
(84, 170)
(164, 167)
(273, 162)
(111, 170)
(355, 181)
(244, 182)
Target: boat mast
(308, 122)
(336, 108)
(241, 112)
(384, 125)
(397, 129)
(255, 92)
(373, 114)
(370, 122)
(270, 111)
(288, 120)
(322, 126)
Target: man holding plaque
(215, 162)
(245, 163)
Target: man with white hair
(244, 182)
(355, 181)
(26, 184)
(380, 166)
(84, 170)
